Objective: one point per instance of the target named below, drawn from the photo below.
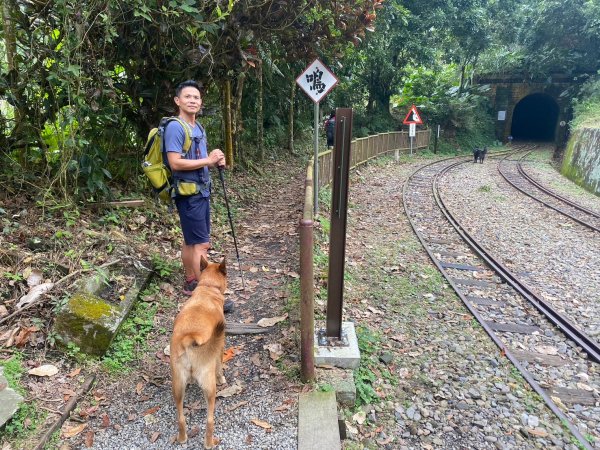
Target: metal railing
(307, 320)
(364, 149)
(361, 151)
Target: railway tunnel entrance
(535, 118)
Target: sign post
(316, 81)
(412, 119)
(339, 214)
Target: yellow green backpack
(154, 165)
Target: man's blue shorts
(194, 215)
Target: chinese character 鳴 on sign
(315, 79)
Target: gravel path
(136, 411)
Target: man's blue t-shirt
(174, 139)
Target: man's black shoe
(228, 306)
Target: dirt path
(261, 388)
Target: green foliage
(131, 342)
(292, 305)
(26, 419)
(13, 371)
(87, 83)
(289, 369)
(163, 267)
(364, 377)
(326, 387)
(28, 416)
(13, 276)
(586, 107)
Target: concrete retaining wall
(581, 162)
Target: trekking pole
(237, 253)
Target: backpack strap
(162, 126)
(187, 141)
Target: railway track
(514, 173)
(527, 330)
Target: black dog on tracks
(479, 154)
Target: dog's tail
(198, 339)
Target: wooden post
(259, 112)
(291, 118)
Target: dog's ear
(223, 267)
(203, 262)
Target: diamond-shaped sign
(317, 80)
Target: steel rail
(550, 192)
(591, 346)
(576, 219)
(495, 338)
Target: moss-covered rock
(91, 322)
(581, 163)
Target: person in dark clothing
(330, 129)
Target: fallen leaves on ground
(262, 424)
(89, 439)
(74, 431)
(139, 387)
(237, 405)
(23, 337)
(275, 350)
(47, 370)
(34, 293)
(33, 276)
(230, 390)
(151, 410)
(270, 321)
(229, 353)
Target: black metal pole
(237, 253)
(339, 213)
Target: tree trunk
(291, 118)
(10, 40)
(237, 119)
(463, 68)
(10, 43)
(227, 122)
(259, 113)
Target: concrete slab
(318, 422)
(342, 382)
(342, 353)
(9, 400)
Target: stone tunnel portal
(535, 118)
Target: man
(192, 181)
(330, 129)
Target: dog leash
(237, 253)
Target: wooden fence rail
(364, 149)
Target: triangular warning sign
(413, 116)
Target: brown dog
(197, 345)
